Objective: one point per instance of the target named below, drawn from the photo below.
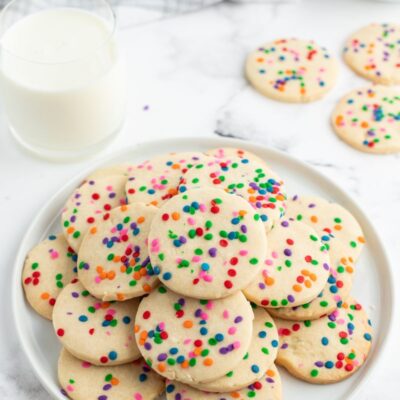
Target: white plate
(373, 284)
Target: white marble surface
(185, 79)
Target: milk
(62, 80)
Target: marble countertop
(186, 79)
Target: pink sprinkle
(269, 262)
(70, 388)
(54, 254)
(97, 279)
(187, 341)
(340, 321)
(204, 315)
(138, 396)
(161, 325)
(191, 221)
(236, 345)
(208, 278)
(243, 252)
(225, 314)
(202, 208)
(232, 330)
(210, 305)
(196, 258)
(274, 254)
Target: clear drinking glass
(62, 77)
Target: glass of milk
(62, 79)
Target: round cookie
(193, 340)
(114, 262)
(336, 290)
(295, 270)
(94, 331)
(90, 203)
(155, 181)
(119, 169)
(374, 53)
(269, 387)
(253, 181)
(369, 119)
(262, 353)
(207, 243)
(48, 267)
(81, 380)
(292, 70)
(338, 229)
(227, 153)
(328, 349)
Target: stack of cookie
(167, 273)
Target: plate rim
(17, 294)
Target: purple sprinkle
(107, 386)
(162, 357)
(75, 295)
(243, 228)
(102, 397)
(326, 266)
(290, 298)
(284, 346)
(319, 364)
(238, 319)
(287, 252)
(212, 252)
(147, 346)
(198, 313)
(285, 224)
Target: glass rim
(75, 60)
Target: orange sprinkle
(114, 381)
(297, 288)
(305, 272)
(269, 281)
(44, 296)
(361, 239)
(110, 275)
(93, 230)
(260, 59)
(176, 216)
(208, 362)
(188, 324)
(136, 329)
(364, 124)
(185, 364)
(140, 220)
(307, 283)
(270, 373)
(70, 229)
(124, 207)
(120, 297)
(314, 219)
(313, 277)
(337, 227)
(147, 288)
(161, 367)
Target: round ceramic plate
(373, 284)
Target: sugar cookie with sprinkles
(262, 353)
(81, 380)
(48, 267)
(368, 119)
(336, 290)
(114, 262)
(374, 53)
(337, 227)
(269, 387)
(328, 349)
(253, 181)
(295, 270)
(227, 153)
(155, 181)
(207, 243)
(292, 70)
(193, 340)
(98, 332)
(90, 203)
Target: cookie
(292, 70)
(119, 169)
(90, 203)
(48, 267)
(227, 153)
(374, 53)
(336, 290)
(94, 331)
(114, 262)
(369, 119)
(81, 380)
(253, 181)
(193, 340)
(207, 243)
(295, 270)
(269, 387)
(328, 349)
(336, 226)
(262, 353)
(155, 181)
